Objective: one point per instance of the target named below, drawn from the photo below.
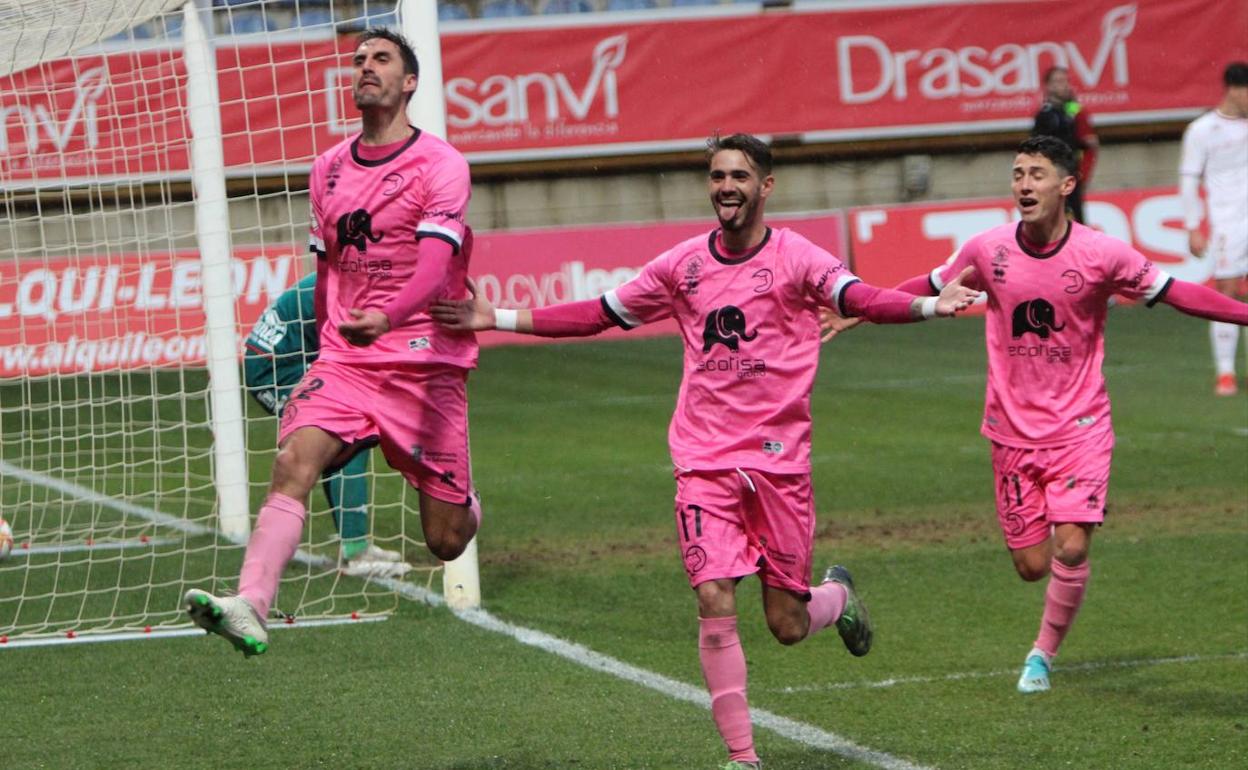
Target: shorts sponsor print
(417, 414)
(734, 523)
(1037, 488)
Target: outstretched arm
(892, 306)
(920, 285)
(912, 300)
(573, 319)
(1203, 302)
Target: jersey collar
(1022, 242)
(746, 257)
(355, 155)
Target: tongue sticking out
(728, 209)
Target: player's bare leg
(791, 618)
(302, 458)
(723, 667)
(448, 527)
(1065, 559)
(787, 615)
(1225, 338)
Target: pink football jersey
(1045, 328)
(751, 332)
(368, 214)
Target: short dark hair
(1050, 72)
(1058, 152)
(1236, 74)
(751, 146)
(410, 65)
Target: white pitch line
(112, 545)
(596, 661)
(90, 495)
(156, 517)
(1090, 666)
(792, 729)
(169, 633)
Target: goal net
(137, 250)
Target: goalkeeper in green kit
(281, 347)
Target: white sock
(1225, 338)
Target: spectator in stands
(1062, 116)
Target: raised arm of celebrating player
(1191, 298)
(573, 319)
(590, 317)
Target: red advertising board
(893, 243)
(127, 311)
(122, 311)
(589, 86)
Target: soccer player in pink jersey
(389, 236)
(745, 297)
(1048, 281)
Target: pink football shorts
(418, 415)
(737, 522)
(1037, 488)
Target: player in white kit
(1215, 149)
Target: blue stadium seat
(380, 18)
(141, 32)
(314, 17)
(689, 3)
(498, 9)
(566, 6)
(246, 22)
(172, 25)
(630, 5)
(452, 12)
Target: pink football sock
(723, 666)
(826, 603)
(279, 528)
(1062, 600)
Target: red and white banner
(585, 87)
(129, 311)
(893, 243)
(123, 311)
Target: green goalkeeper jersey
(282, 345)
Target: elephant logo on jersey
(1036, 316)
(726, 326)
(356, 229)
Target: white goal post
(153, 162)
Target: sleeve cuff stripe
(1159, 288)
(446, 233)
(441, 237)
(620, 314)
(838, 292)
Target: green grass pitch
(569, 450)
